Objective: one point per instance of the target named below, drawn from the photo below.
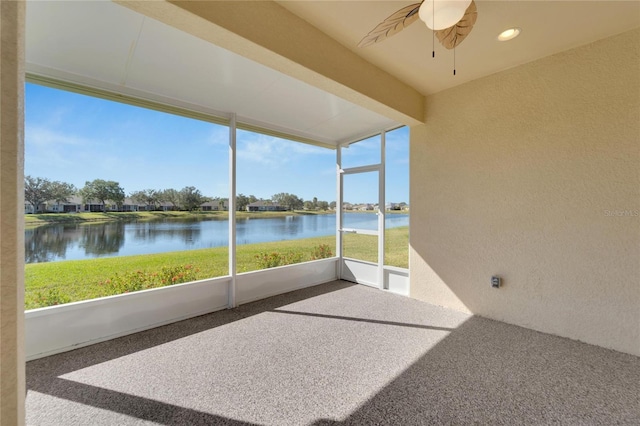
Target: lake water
(67, 242)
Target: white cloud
(42, 137)
(219, 136)
(272, 152)
(57, 116)
(46, 147)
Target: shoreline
(44, 219)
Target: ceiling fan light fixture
(441, 14)
(509, 34)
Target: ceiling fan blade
(392, 25)
(453, 36)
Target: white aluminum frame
(339, 203)
(384, 277)
(380, 233)
(232, 212)
(382, 208)
(61, 328)
(69, 326)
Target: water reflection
(47, 243)
(188, 233)
(102, 240)
(66, 242)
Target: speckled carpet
(337, 353)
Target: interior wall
(12, 369)
(532, 174)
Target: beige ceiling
(548, 27)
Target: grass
(365, 247)
(396, 247)
(32, 220)
(74, 280)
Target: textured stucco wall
(12, 379)
(533, 174)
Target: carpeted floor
(338, 353)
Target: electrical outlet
(496, 281)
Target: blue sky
(76, 138)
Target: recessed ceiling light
(509, 34)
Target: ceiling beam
(267, 33)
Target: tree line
(38, 191)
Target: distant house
(131, 206)
(394, 206)
(167, 206)
(128, 205)
(265, 206)
(72, 205)
(28, 208)
(92, 207)
(215, 205)
(364, 207)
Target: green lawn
(74, 280)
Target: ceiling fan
(451, 21)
